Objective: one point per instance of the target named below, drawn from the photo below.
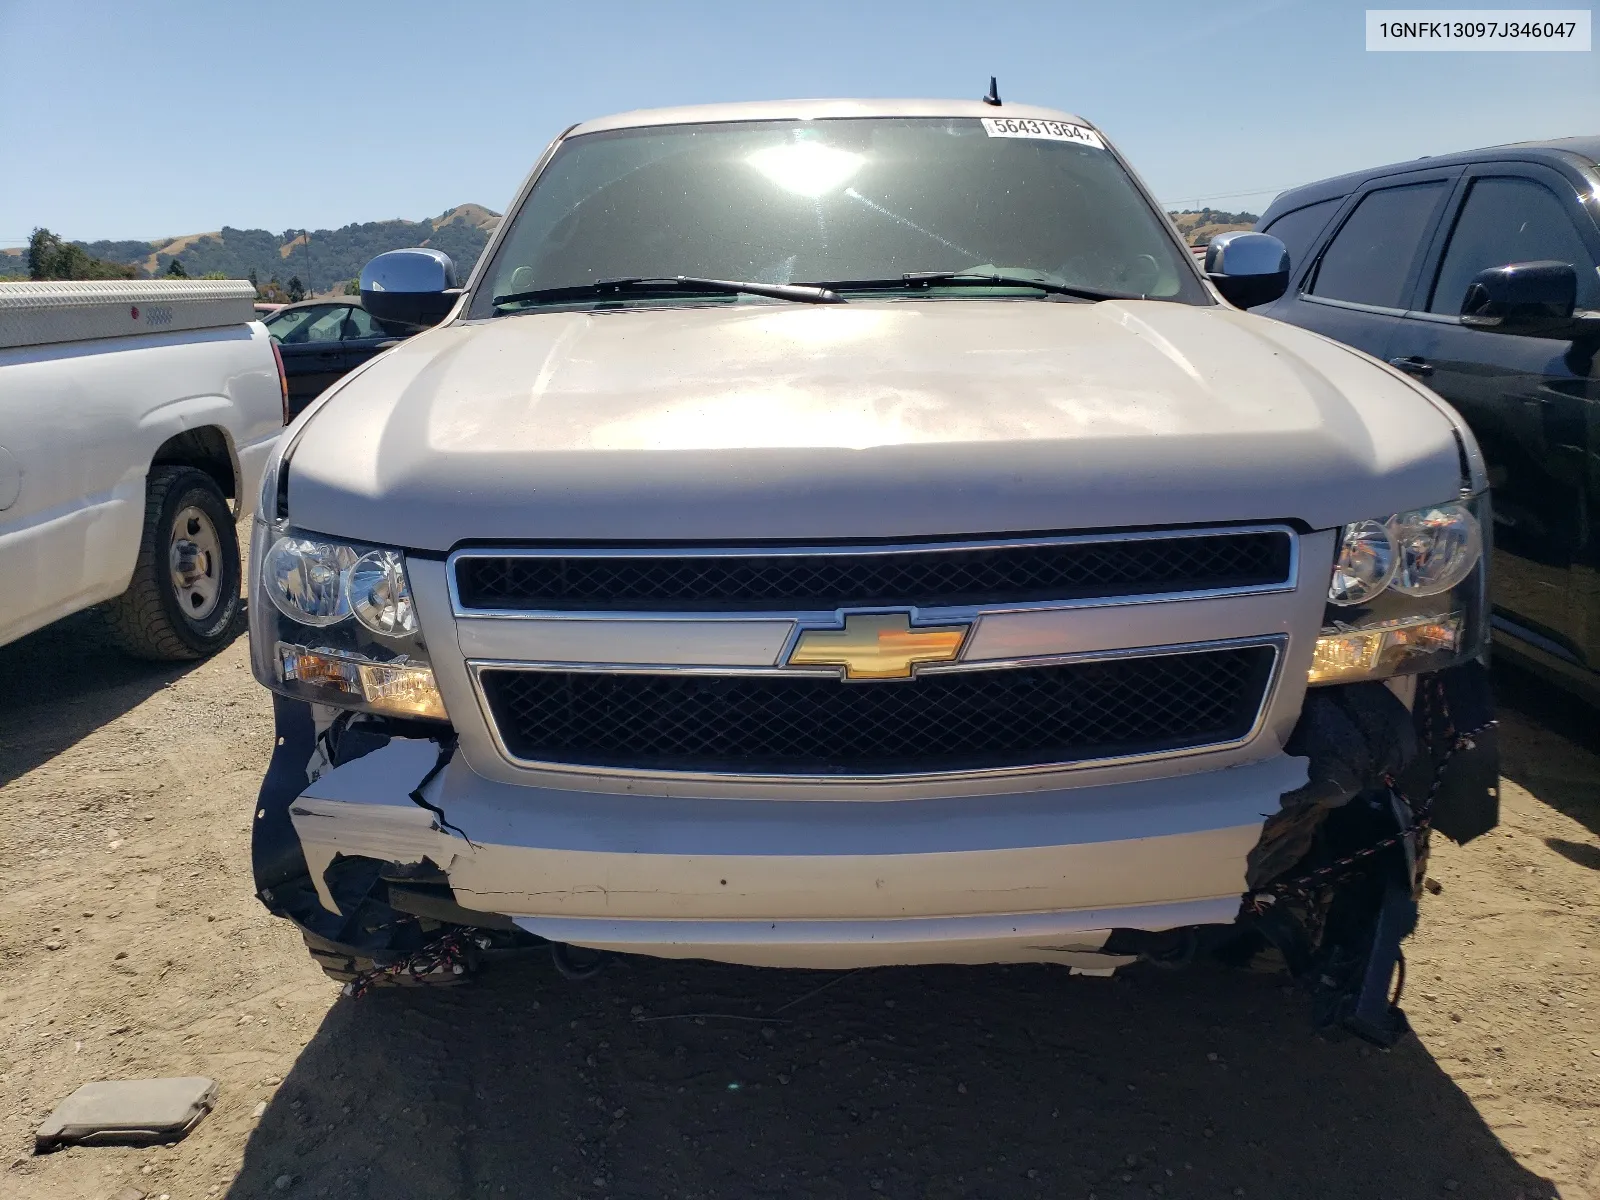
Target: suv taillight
(283, 380)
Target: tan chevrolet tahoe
(840, 533)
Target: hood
(884, 419)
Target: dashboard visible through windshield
(833, 202)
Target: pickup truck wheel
(184, 597)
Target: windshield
(805, 202)
(286, 324)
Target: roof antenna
(994, 94)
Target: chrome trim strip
(1277, 642)
(969, 612)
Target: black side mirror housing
(1248, 268)
(407, 290)
(1535, 299)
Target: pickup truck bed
(119, 399)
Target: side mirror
(412, 288)
(1535, 299)
(1248, 268)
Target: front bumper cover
(392, 829)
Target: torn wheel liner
(1336, 876)
(388, 912)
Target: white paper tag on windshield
(1055, 131)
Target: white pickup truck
(131, 414)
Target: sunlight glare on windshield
(806, 168)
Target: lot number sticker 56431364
(1055, 131)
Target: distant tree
(271, 292)
(297, 290)
(255, 281)
(176, 271)
(43, 247)
(1215, 216)
(215, 275)
(352, 287)
(51, 258)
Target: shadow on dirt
(1549, 744)
(62, 683)
(936, 1082)
(1578, 852)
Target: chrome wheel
(194, 556)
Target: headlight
(320, 583)
(1420, 553)
(307, 579)
(1437, 547)
(1406, 594)
(1365, 564)
(341, 627)
(379, 594)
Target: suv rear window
(1370, 257)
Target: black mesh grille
(842, 579)
(954, 721)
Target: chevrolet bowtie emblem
(877, 646)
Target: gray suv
(840, 533)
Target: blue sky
(144, 120)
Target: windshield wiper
(674, 285)
(923, 279)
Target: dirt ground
(130, 945)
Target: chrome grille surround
(701, 642)
(1262, 689)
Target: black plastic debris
(128, 1112)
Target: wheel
(184, 597)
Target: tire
(183, 602)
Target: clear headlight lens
(379, 594)
(321, 583)
(1421, 553)
(1365, 565)
(367, 652)
(1436, 547)
(305, 578)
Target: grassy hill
(1200, 225)
(322, 261)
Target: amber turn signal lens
(398, 688)
(1346, 655)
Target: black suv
(321, 342)
(1476, 274)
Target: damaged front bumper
(395, 839)
(1042, 876)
